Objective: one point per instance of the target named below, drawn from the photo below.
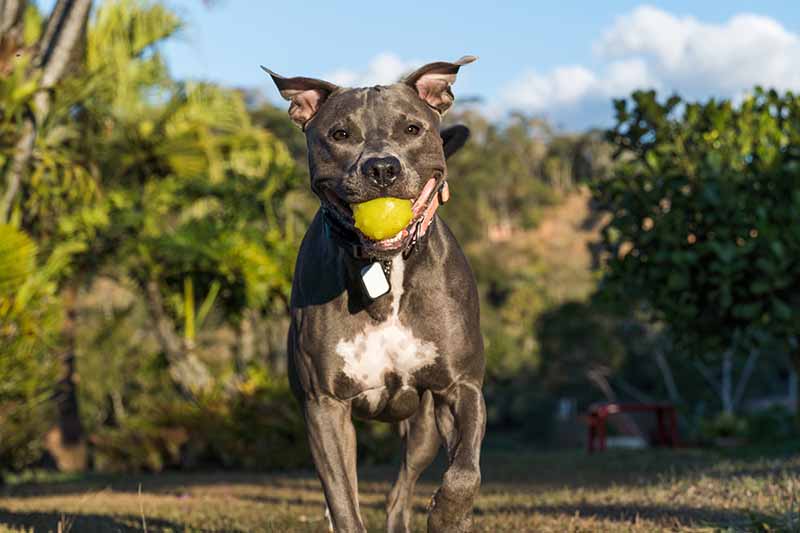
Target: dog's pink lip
(424, 197)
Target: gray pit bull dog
(413, 355)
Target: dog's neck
(378, 308)
(401, 267)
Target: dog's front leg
(461, 419)
(333, 446)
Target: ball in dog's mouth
(384, 222)
(382, 218)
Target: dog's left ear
(454, 138)
(305, 94)
(432, 82)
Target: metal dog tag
(374, 280)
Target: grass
(638, 491)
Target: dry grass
(565, 491)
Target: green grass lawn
(663, 490)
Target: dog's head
(365, 143)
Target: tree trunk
(669, 379)
(745, 376)
(67, 442)
(726, 388)
(187, 371)
(63, 39)
(11, 29)
(11, 43)
(246, 345)
(599, 377)
(19, 164)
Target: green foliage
(578, 338)
(258, 425)
(775, 424)
(501, 181)
(16, 92)
(512, 298)
(29, 317)
(205, 203)
(141, 177)
(509, 171)
(704, 203)
(125, 68)
(139, 180)
(724, 425)
(193, 188)
(497, 177)
(194, 194)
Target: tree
(703, 203)
(165, 183)
(48, 62)
(194, 190)
(40, 57)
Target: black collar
(346, 238)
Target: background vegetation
(148, 230)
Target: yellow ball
(382, 218)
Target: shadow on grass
(161, 483)
(522, 471)
(40, 522)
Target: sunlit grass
(683, 490)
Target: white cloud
(571, 85)
(561, 86)
(746, 50)
(651, 48)
(385, 68)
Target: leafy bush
(724, 425)
(256, 423)
(771, 425)
(29, 321)
(703, 206)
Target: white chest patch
(388, 347)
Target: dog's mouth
(343, 213)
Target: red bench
(665, 414)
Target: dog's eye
(412, 129)
(340, 135)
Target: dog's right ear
(305, 94)
(432, 82)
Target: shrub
(771, 425)
(29, 317)
(254, 423)
(724, 425)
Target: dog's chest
(388, 350)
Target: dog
(388, 329)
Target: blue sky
(563, 60)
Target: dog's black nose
(381, 170)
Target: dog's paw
(448, 516)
